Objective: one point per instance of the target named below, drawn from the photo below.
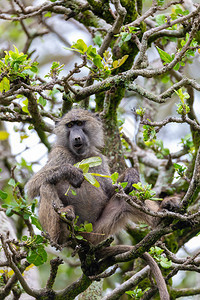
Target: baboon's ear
(57, 122)
(97, 116)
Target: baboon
(79, 136)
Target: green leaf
(36, 222)
(42, 101)
(160, 2)
(80, 45)
(122, 60)
(91, 52)
(4, 135)
(26, 216)
(73, 192)
(165, 263)
(12, 182)
(38, 239)
(115, 64)
(160, 19)
(138, 186)
(34, 69)
(164, 55)
(25, 107)
(123, 184)
(79, 237)
(156, 199)
(128, 37)
(88, 227)
(97, 40)
(100, 175)
(97, 62)
(165, 151)
(9, 212)
(48, 14)
(24, 238)
(37, 256)
(2, 66)
(4, 85)
(84, 168)
(114, 177)
(3, 195)
(91, 179)
(176, 67)
(93, 161)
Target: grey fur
(101, 206)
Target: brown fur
(99, 206)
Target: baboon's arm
(130, 176)
(56, 169)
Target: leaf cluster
(126, 34)
(149, 132)
(181, 170)
(137, 293)
(20, 205)
(15, 65)
(35, 247)
(158, 147)
(156, 253)
(144, 192)
(182, 108)
(82, 228)
(103, 65)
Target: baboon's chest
(88, 201)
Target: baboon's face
(78, 141)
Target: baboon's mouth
(78, 146)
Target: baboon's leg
(115, 216)
(47, 215)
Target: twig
(194, 184)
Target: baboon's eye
(79, 123)
(69, 125)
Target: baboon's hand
(171, 203)
(76, 177)
(68, 211)
(131, 176)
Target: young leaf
(165, 263)
(3, 195)
(25, 107)
(9, 212)
(91, 52)
(123, 184)
(97, 62)
(161, 19)
(97, 40)
(80, 45)
(4, 135)
(84, 168)
(73, 192)
(88, 227)
(91, 180)
(36, 222)
(79, 237)
(164, 55)
(11, 182)
(114, 177)
(122, 60)
(93, 161)
(42, 101)
(115, 64)
(4, 85)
